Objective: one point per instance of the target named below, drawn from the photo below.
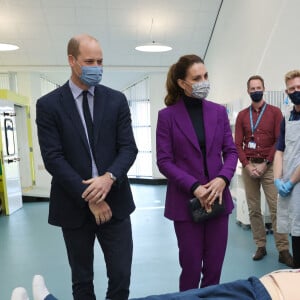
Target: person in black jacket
(87, 144)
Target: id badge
(252, 145)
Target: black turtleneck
(194, 108)
(195, 111)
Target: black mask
(256, 96)
(295, 97)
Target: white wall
(157, 95)
(253, 37)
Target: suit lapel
(99, 108)
(184, 123)
(69, 105)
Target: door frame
(19, 100)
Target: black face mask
(295, 97)
(256, 96)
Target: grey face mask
(200, 89)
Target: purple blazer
(180, 159)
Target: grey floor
(28, 246)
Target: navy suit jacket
(66, 154)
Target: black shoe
(286, 258)
(260, 253)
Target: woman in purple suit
(196, 153)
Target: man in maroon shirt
(256, 130)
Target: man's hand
(278, 183)
(286, 188)
(98, 188)
(261, 168)
(101, 212)
(252, 170)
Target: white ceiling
(42, 28)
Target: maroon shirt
(265, 135)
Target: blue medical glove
(287, 187)
(278, 183)
(282, 192)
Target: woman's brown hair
(178, 71)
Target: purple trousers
(202, 248)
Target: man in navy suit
(87, 145)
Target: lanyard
(253, 128)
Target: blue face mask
(295, 97)
(91, 76)
(256, 96)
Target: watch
(112, 176)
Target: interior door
(12, 192)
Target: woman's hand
(202, 194)
(214, 190)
